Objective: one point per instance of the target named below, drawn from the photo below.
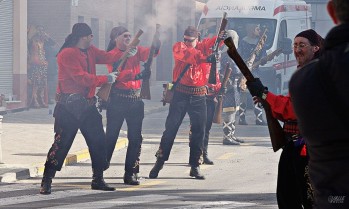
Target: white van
(282, 18)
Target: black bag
(76, 104)
(169, 88)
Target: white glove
(112, 77)
(132, 52)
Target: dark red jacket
(73, 75)
(126, 79)
(197, 74)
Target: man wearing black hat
(125, 101)
(294, 190)
(75, 108)
(315, 91)
(190, 73)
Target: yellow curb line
(226, 156)
(76, 157)
(143, 185)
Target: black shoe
(207, 161)
(195, 172)
(242, 121)
(47, 180)
(156, 169)
(230, 142)
(131, 179)
(46, 186)
(98, 183)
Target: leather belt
(129, 95)
(192, 90)
(63, 97)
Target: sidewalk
(28, 135)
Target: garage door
(6, 46)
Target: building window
(81, 19)
(95, 31)
(108, 28)
(75, 3)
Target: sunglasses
(189, 40)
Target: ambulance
(283, 19)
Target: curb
(37, 169)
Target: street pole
(0, 139)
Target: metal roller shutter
(6, 46)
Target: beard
(302, 59)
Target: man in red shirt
(212, 91)
(189, 97)
(293, 187)
(75, 108)
(125, 101)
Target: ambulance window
(208, 27)
(240, 25)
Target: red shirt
(73, 75)
(197, 74)
(281, 107)
(126, 79)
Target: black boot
(156, 169)
(47, 181)
(131, 179)
(206, 160)
(98, 182)
(230, 141)
(195, 172)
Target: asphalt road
(242, 176)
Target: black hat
(117, 31)
(312, 36)
(191, 32)
(81, 30)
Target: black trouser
(293, 185)
(66, 126)
(211, 106)
(133, 113)
(196, 108)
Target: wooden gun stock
(217, 118)
(104, 91)
(145, 90)
(276, 133)
(213, 70)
